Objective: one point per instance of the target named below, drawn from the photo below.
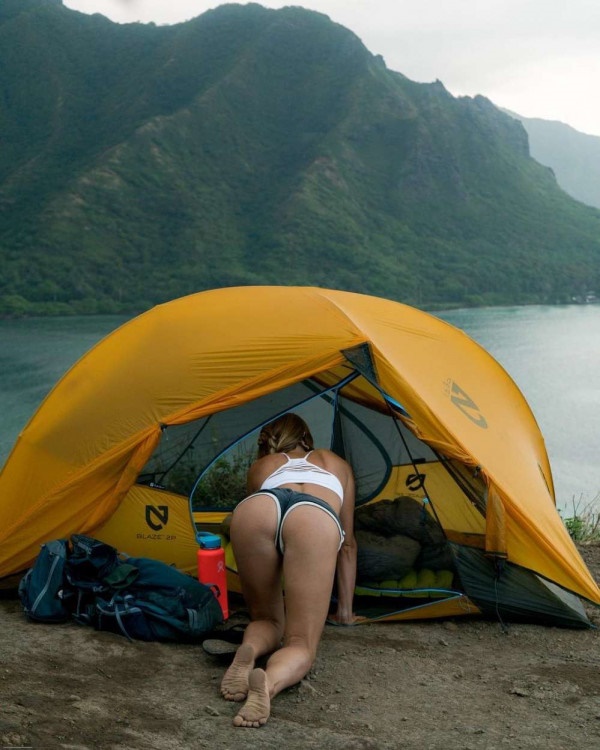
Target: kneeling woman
(296, 523)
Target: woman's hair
(284, 434)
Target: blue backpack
(156, 603)
(42, 589)
(138, 597)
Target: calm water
(552, 353)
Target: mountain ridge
(252, 146)
(573, 156)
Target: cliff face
(574, 157)
(251, 146)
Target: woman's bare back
(324, 459)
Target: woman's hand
(345, 618)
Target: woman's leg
(252, 532)
(311, 542)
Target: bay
(552, 354)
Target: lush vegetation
(252, 146)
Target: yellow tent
(167, 408)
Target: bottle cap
(206, 540)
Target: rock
(306, 688)
(521, 692)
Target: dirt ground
(441, 685)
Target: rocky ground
(463, 684)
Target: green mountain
(253, 146)
(574, 157)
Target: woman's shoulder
(270, 461)
(330, 459)
(261, 468)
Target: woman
(296, 523)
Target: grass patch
(583, 519)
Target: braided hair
(284, 434)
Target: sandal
(218, 647)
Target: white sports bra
(301, 471)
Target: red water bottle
(211, 567)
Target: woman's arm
(346, 561)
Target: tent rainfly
(149, 435)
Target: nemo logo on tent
(414, 482)
(464, 402)
(157, 516)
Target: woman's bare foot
(256, 710)
(234, 686)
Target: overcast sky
(538, 58)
